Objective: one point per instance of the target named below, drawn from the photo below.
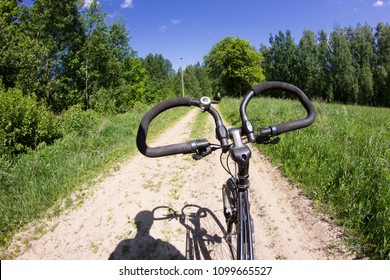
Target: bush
(24, 123)
(76, 120)
(116, 100)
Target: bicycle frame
(241, 154)
(245, 246)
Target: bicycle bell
(205, 103)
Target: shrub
(117, 100)
(76, 120)
(24, 123)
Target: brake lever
(197, 157)
(267, 140)
(202, 153)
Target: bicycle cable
(226, 165)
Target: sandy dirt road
(171, 208)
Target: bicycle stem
(241, 155)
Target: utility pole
(182, 77)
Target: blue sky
(188, 29)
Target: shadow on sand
(200, 242)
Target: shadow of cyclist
(144, 246)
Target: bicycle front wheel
(231, 238)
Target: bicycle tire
(205, 237)
(231, 238)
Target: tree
(352, 66)
(130, 89)
(126, 76)
(157, 67)
(95, 54)
(197, 82)
(362, 44)
(9, 36)
(281, 59)
(308, 74)
(204, 81)
(382, 90)
(192, 85)
(160, 78)
(324, 84)
(113, 77)
(235, 64)
(341, 66)
(54, 29)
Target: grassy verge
(342, 162)
(36, 181)
(198, 130)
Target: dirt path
(171, 208)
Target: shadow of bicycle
(204, 231)
(204, 234)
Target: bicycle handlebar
(201, 145)
(179, 148)
(275, 130)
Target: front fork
(229, 196)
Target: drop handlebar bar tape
(179, 148)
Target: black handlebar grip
(180, 148)
(283, 127)
(144, 127)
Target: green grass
(199, 128)
(342, 162)
(35, 182)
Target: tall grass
(342, 162)
(36, 181)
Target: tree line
(351, 65)
(66, 54)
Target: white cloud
(127, 4)
(87, 3)
(379, 3)
(171, 22)
(175, 21)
